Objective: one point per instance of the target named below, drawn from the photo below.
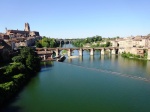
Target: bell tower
(27, 27)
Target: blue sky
(77, 18)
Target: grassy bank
(133, 56)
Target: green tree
(47, 42)
(38, 44)
(28, 58)
(107, 44)
(98, 38)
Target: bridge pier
(148, 55)
(80, 52)
(57, 52)
(102, 51)
(52, 55)
(91, 51)
(44, 57)
(45, 50)
(69, 52)
(113, 51)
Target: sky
(77, 18)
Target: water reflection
(69, 60)
(87, 82)
(102, 57)
(91, 58)
(80, 59)
(47, 64)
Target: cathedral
(22, 33)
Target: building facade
(18, 38)
(134, 45)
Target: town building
(22, 33)
(135, 45)
(17, 38)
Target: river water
(106, 83)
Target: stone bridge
(50, 51)
(47, 52)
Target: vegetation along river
(105, 83)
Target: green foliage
(17, 59)
(7, 85)
(107, 44)
(47, 42)
(82, 42)
(18, 76)
(14, 68)
(38, 44)
(9, 71)
(129, 55)
(29, 59)
(64, 51)
(13, 76)
(79, 43)
(6, 91)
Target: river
(96, 83)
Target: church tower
(27, 27)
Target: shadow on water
(12, 109)
(47, 64)
(7, 107)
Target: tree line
(95, 39)
(47, 42)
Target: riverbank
(133, 56)
(9, 90)
(17, 74)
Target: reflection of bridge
(49, 51)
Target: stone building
(134, 45)
(4, 36)
(18, 38)
(22, 33)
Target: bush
(129, 55)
